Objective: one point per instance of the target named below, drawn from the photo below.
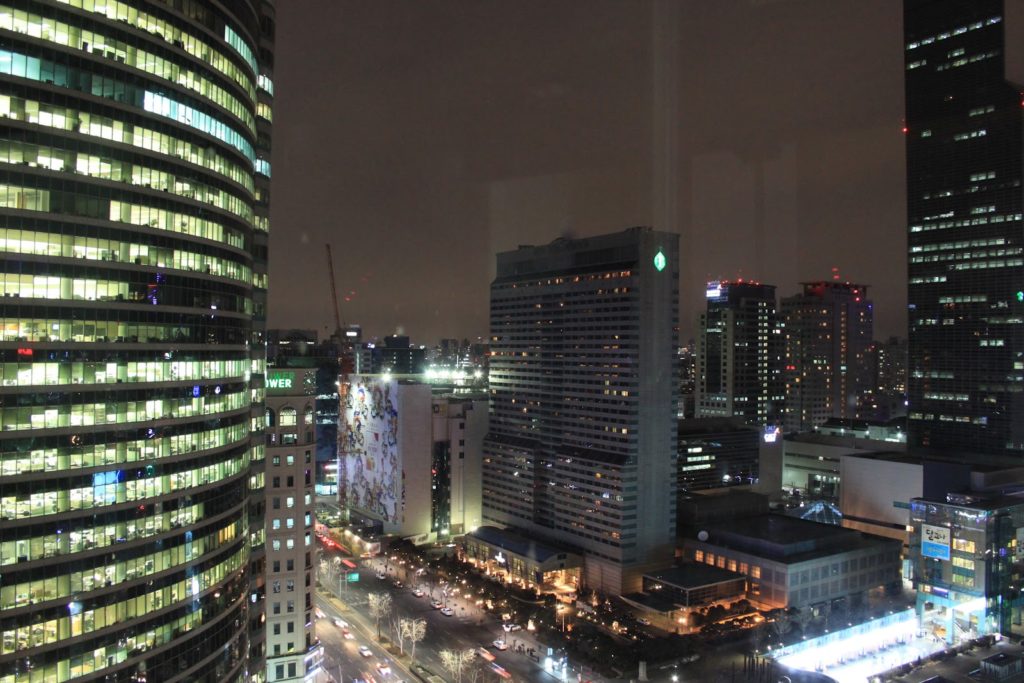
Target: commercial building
(523, 561)
(739, 354)
(583, 397)
(410, 462)
(133, 211)
(792, 562)
(291, 646)
(966, 551)
(965, 150)
(828, 331)
(811, 462)
(716, 452)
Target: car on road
(319, 613)
(383, 669)
(397, 583)
(381, 576)
(643, 621)
(436, 604)
(447, 611)
(418, 593)
(340, 623)
(500, 645)
(346, 634)
(511, 627)
(365, 651)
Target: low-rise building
(792, 562)
(966, 552)
(524, 561)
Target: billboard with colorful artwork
(370, 464)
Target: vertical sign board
(935, 542)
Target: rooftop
(692, 575)
(516, 544)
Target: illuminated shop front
(522, 561)
(964, 552)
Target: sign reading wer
(935, 541)
(278, 380)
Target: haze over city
(420, 138)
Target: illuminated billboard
(935, 542)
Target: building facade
(964, 141)
(828, 333)
(410, 461)
(133, 281)
(583, 399)
(716, 452)
(292, 651)
(739, 354)
(797, 563)
(965, 553)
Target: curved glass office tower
(130, 213)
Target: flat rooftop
(692, 575)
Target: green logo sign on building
(660, 261)
(279, 380)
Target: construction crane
(346, 366)
(334, 294)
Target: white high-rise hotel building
(583, 392)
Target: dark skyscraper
(828, 329)
(964, 203)
(739, 354)
(583, 399)
(133, 200)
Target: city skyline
(455, 131)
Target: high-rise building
(133, 203)
(583, 392)
(292, 651)
(739, 354)
(828, 330)
(965, 151)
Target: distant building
(739, 354)
(397, 357)
(828, 332)
(582, 445)
(716, 452)
(688, 380)
(964, 137)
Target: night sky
(421, 137)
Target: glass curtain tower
(965, 234)
(134, 139)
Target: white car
(381, 576)
(418, 593)
(346, 634)
(340, 623)
(319, 613)
(365, 651)
(515, 627)
(436, 604)
(383, 669)
(447, 611)
(500, 645)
